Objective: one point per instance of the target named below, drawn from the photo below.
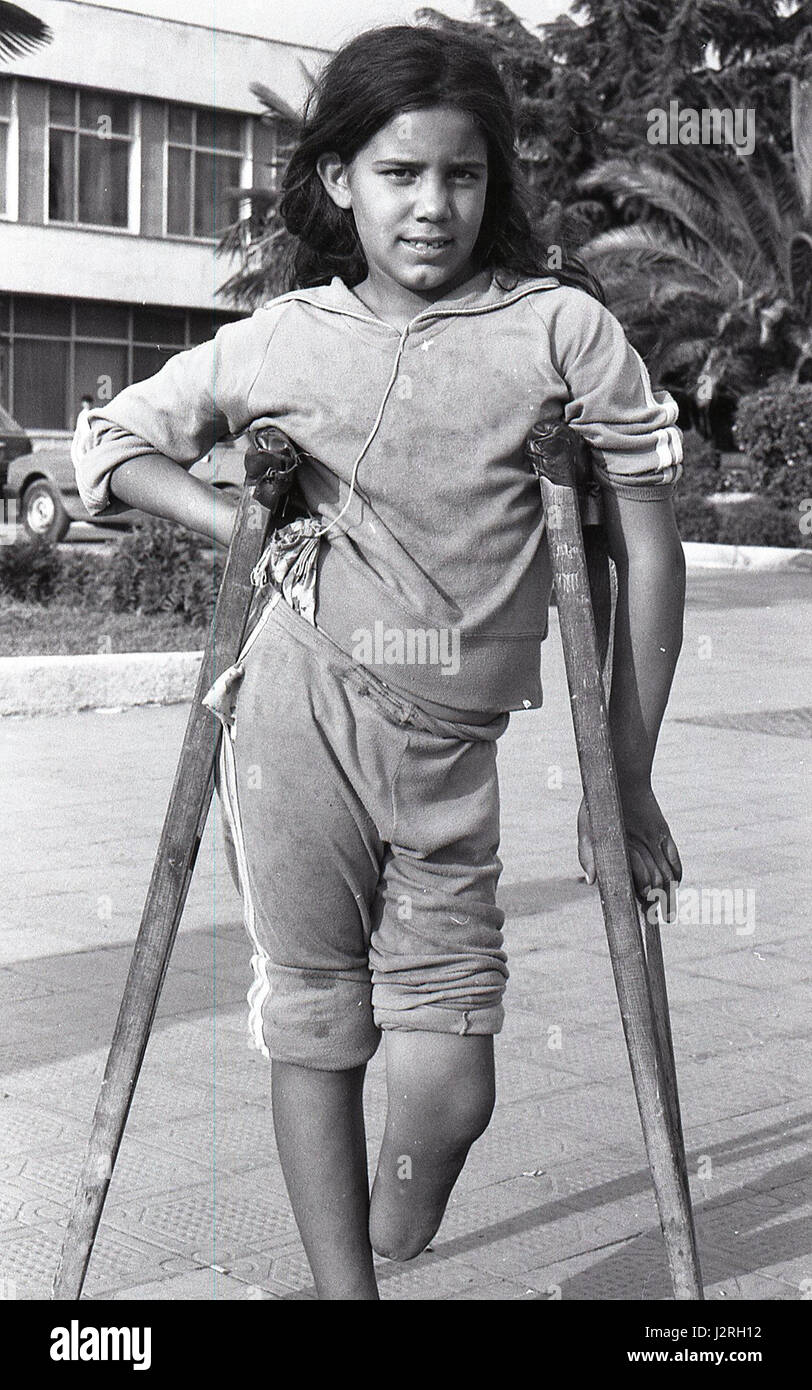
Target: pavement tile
(29, 1259)
(285, 1266)
(792, 1277)
(16, 985)
(635, 1269)
(24, 1126)
(752, 1287)
(140, 1168)
(757, 967)
(729, 1085)
(232, 1138)
(198, 1285)
(493, 1290)
(19, 1209)
(208, 1222)
(516, 1225)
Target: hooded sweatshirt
(437, 575)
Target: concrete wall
(146, 56)
(153, 127)
(109, 265)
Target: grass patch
(29, 629)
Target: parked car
(42, 481)
(14, 443)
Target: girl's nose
(432, 201)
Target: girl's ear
(333, 174)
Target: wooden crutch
(270, 465)
(558, 459)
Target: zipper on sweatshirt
(300, 296)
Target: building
(123, 144)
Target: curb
(31, 685)
(67, 684)
(768, 558)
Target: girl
(421, 339)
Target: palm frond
(274, 103)
(649, 248)
(687, 353)
(20, 31)
(801, 118)
(666, 193)
(800, 269)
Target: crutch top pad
(559, 454)
(271, 461)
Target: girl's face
(417, 193)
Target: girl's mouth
(427, 246)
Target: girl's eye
(459, 175)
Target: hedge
(160, 567)
(700, 466)
(758, 521)
(774, 428)
(156, 568)
(774, 517)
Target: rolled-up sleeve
(197, 397)
(632, 430)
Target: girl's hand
(654, 857)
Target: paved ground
(555, 1200)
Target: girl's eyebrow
(420, 163)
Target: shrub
(163, 568)
(697, 519)
(774, 427)
(758, 521)
(700, 466)
(83, 580)
(29, 571)
(157, 568)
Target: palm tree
(20, 31)
(712, 275)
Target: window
(204, 162)
(283, 143)
(90, 137)
(54, 351)
(274, 140)
(5, 366)
(5, 147)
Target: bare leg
(319, 1123)
(441, 1095)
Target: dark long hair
(370, 80)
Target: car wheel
(44, 516)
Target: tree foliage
(707, 260)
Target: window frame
(11, 212)
(131, 343)
(132, 139)
(282, 140)
(244, 154)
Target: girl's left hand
(655, 861)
